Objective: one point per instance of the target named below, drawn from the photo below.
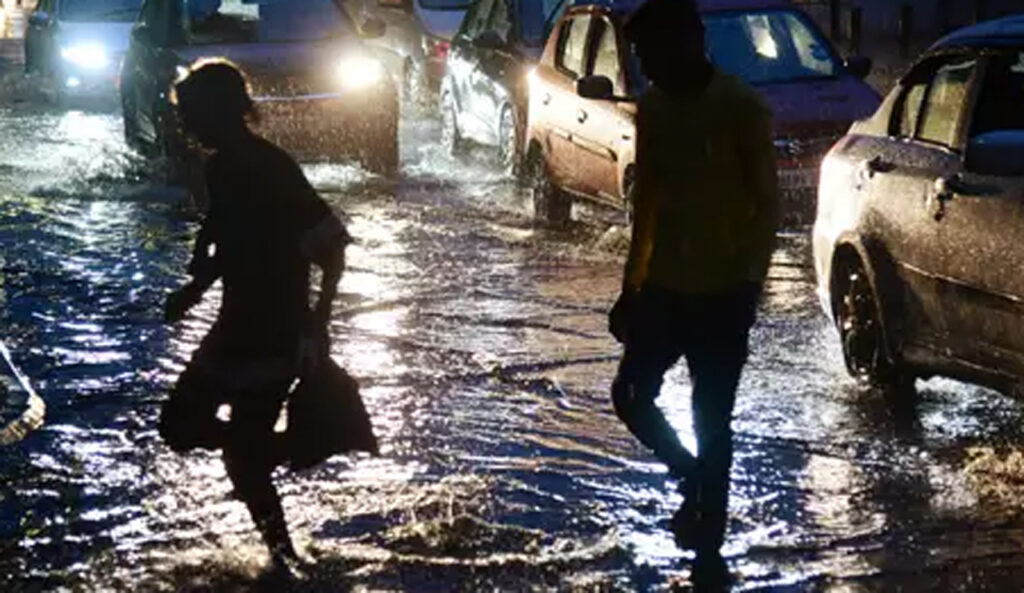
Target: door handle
(546, 99)
(581, 116)
(944, 189)
(877, 165)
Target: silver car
(79, 43)
(919, 236)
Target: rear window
(769, 46)
(120, 11)
(265, 21)
(445, 4)
(536, 18)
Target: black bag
(326, 416)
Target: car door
(605, 129)
(554, 102)
(39, 38)
(151, 64)
(980, 219)
(464, 69)
(897, 172)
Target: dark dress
(265, 225)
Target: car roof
(997, 33)
(626, 7)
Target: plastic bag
(326, 416)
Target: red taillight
(439, 48)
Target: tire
(451, 140)
(858, 318)
(383, 157)
(551, 205)
(508, 143)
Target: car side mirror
(142, 35)
(999, 153)
(372, 29)
(40, 18)
(596, 87)
(403, 5)
(859, 66)
(489, 39)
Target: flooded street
(481, 345)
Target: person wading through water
(706, 212)
(265, 226)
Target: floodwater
(481, 345)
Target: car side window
(501, 21)
(1000, 105)
(476, 19)
(606, 60)
(909, 109)
(945, 102)
(572, 45)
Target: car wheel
(508, 143)
(451, 139)
(858, 319)
(130, 123)
(383, 157)
(551, 205)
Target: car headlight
(87, 55)
(360, 72)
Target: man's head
(668, 36)
(213, 101)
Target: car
(417, 38)
(581, 132)
(319, 91)
(484, 90)
(919, 236)
(79, 44)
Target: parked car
(416, 41)
(919, 237)
(79, 43)
(484, 91)
(580, 136)
(319, 92)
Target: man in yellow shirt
(706, 210)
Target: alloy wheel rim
(859, 326)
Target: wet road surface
(481, 345)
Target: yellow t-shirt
(706, 200)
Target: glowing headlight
(86, 55)
(360, 72)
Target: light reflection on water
(480, 343)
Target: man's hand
(619, 317)
(180, 301)
(314, 343)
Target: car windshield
(264, 21)
(769, 46)
(445, 4)
(118, 11)
(536, 17)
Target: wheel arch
(882, 277)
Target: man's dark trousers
(711, 331)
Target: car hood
(441, 23)
(819, 108)
(112, 36)
(282, 69)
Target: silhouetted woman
(265, 225)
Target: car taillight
(437, 48)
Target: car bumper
(328, 125)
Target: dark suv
(919, 238)
(484, 91)
(320, 90)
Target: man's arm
(758, 160)
(644, 210)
